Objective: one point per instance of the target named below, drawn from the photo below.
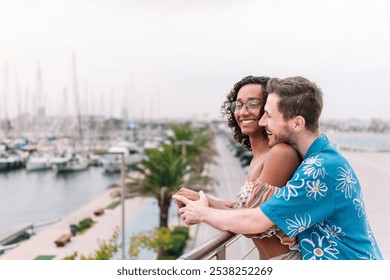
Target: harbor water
(41, 196)
(361, 140)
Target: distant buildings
(355, 125)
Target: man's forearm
(240, 221)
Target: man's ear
(298, 123)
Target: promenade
(373, 171)
(85, 244)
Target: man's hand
(193, 211)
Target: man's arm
(241, 221)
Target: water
(45, 195)
(366, 140)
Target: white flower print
(347, 181)
(367, 257)
(335, 231)
(370, 234)
(290, 190)
(316, 189)
(299, 224)
(313, 167)
(323, 222)
(318, 248)
(359, 205)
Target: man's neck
(305, 140)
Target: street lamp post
(183, 144)
(122, 156)
(123, 167)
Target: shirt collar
(320, 142)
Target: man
(322, 204)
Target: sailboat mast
(40, 100)
(6, 91)
(6, 120)
(77, 98)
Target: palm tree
(169, 167)
(166, 169)
(194, 144)
(159, 176)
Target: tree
(167, 168)
(159, 176)
(195, 145)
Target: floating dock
(13, 233)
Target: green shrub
(105, 251)
(181, 230)
(45, 257)
(84, 224)
(178, 241)
(113, 205)
(172, 242)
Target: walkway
(42, 244)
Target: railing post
(216, 247)
(221, 253)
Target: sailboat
(9, 161)
(39, 162)
(76, 163)
(78, 160)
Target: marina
(40, 196)
(142, 214)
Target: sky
(178, 59)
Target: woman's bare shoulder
(283, 150)
(279, 166)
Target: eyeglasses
(251, 106)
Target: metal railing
(214, 248)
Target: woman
(269, 169)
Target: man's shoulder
(328, 157)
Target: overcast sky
(179, 58)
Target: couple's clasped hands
(192, 206)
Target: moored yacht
(38, 162)
(9, 161)
(77, 162)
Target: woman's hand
(187, 193)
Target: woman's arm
(214, 202)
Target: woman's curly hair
(232, 96)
